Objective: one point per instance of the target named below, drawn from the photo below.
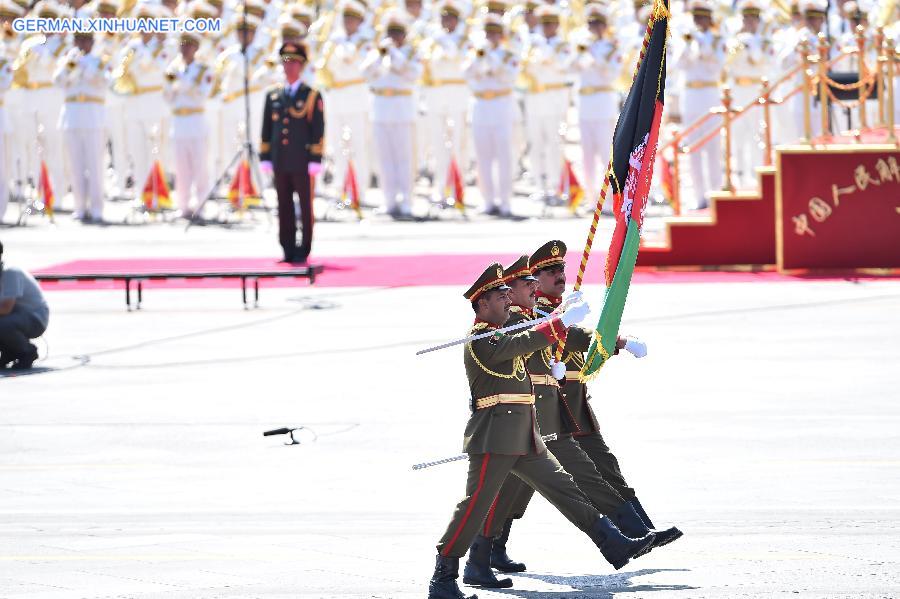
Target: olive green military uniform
(502, 435)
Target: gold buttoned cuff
(544, 379)
(502, 398)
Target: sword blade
(463, 456)
(512, 327)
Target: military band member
(700, 60)
(232, 126)
(38, 106)
(751, 57)
(491, 72)
(187, 86)
(291, 150)
(502, 437)
(445, 93)
(791, 56)
(8, 10)
(82, 77)
(339, 68)
(546, 100)
(392, 71)
(598, 61)
(138, 77)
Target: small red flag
(351, 189)
(242, 193)
(46, 190)
(156, 195)
(455, 183)
(570, 186)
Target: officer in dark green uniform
(291, 149)
(502, 436)
(513, 499)
(548, 264)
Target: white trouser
(115, 134)
(596, 141)
(545, 149)
(191, 172)
(233, 129)
(84, 150)
(394, 144)
(695, 104)
(38, 137)
(4, 172)
(747, 145)
(493, 153)
(447, 135)
(346, 141)
(143, 137)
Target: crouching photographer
(24, 316)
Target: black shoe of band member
(478, 572)
(616, 547)
(499, 558)
(5, 360)
(663, 537)
(630, 523)
(443, 582)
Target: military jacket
(503, 416)
(578, 416)
(292, 130)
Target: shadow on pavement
(594, 587)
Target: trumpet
(170, 76)
(582, 47)
(688, 37)
(480, 53)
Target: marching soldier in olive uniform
(514, 495)
(291, 149)
(548, 264)
(502, 436)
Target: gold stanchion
(863, 73)
(879, 73)
(823, 84)
(892, 74)
(725, 110)
(807, 92)
(765, 100)
(676, 173)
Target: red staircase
(739, 232)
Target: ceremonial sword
(463, 456)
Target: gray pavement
(764, 423)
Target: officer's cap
(292, 51)
(302, 13)
(352, 8)
(248, 21)
(752, 8)
(190, 38)
(394, 22)
(700, 8)
(200, 9)
(493, 24)
(595, 12)
(518, 270)
(10, 9)
(496, 6)
(814, 8)
(449, 8)
(46, 9)
(550, 254)
(547, 14)
(291, 27)
(491, 278)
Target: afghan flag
(630, 174)
(351, 189)
(242, 192)
(46, 191)
(455, 185)
(156, 194)
(570, 186)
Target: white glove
(575, 314)
(558, 369)
(635, 347)
(266, 167)
(573, 297)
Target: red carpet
(364, 271)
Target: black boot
(478, 571)
(631, 525)
(443, 582)
(499, 558)
(5, 359)
(616, 547)
(663, 537)
(25, 360)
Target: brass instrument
(123, 80)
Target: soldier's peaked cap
(292, 51)
(700, 8)
(751, 7)
(814, 8)
(595, 12)
(519, 270)
(550, 254)
(351, 8)
(449, 8)
(491, 278)
(547, 14)
(8, 8)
